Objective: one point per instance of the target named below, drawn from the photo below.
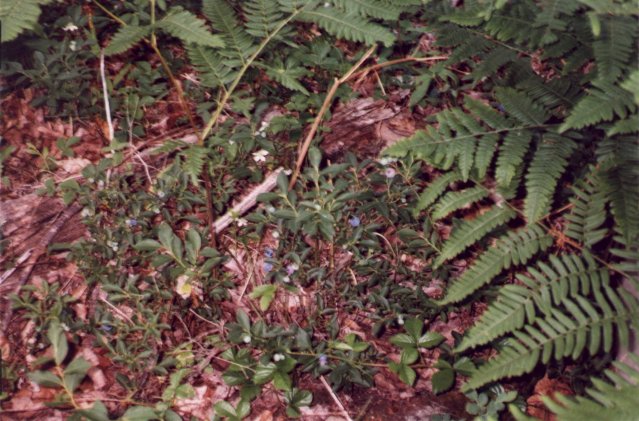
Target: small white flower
(262, 134)
(270, 209)
(317, 206)
(73, 46)
(260, 156)
(278, 357)
(275, 234)
(85, 212)
(156, 211)
(400, 320)
(390, 172)
(246, 339)
(70, 27)
(91, 180)
(286, 279)
(231, 142)
(387, 160)
(113, 245)
(100, 184)
(161, 194)
(241, 222)
(288, 172)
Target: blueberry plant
(519, 194)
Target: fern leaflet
(470, 231)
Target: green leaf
(58, 340)
(348, 26)
(125, 38)
(185, 26)
(405, 373)
(414, 327)
(98, 412)
(403, 340)
(16, 16)
(430, 339)
(225, 409)
(443, 380)
(282, 381)
(45, 378)
(139, 413)
(75, 372)
(147, 245)
(266, 294)
(264, 373)
(409, 355)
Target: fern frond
(492, 62)
(435, 189)
(551, 20)
(632, 85)
(614, 400)
(470, 231)
(562, 334)
(187, 27)
(194, 158)
(456, 200)
(511, 155)
(125, 38)
(210, 66)
(17, 16)
(514, 248)
(549, 162)
(619, 162)
(613, 49)
(239, 44)
(513, 23)
(348, 26)
(546, 287)
(262, 16)
(373, 8)
(588, 213)
(627, 126)
(601, 103)
(520, 106)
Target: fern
(210, 66)
(511, 155)
(194, 158)
(239, 44)
(188, 28)
(520, 106)
(125, 38)
(453, 201)
(549, 162)
(373, 8)
(514, 248)
(583, 325)
(471, 231)
(436, 188)
(348, 26)
(588, 213)
(614, 47)
(551, 18)
(262, 16)
(546, 287)
(617, 399)
(17, 16)
(602, 103)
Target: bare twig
(335, 399)
(318, 119)
(105, 94)
(247, 201)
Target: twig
(117, 310)
(24, 256)
(105, 94)
(335, 399)
(318, 119)
(247, 201)
(397, 61)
